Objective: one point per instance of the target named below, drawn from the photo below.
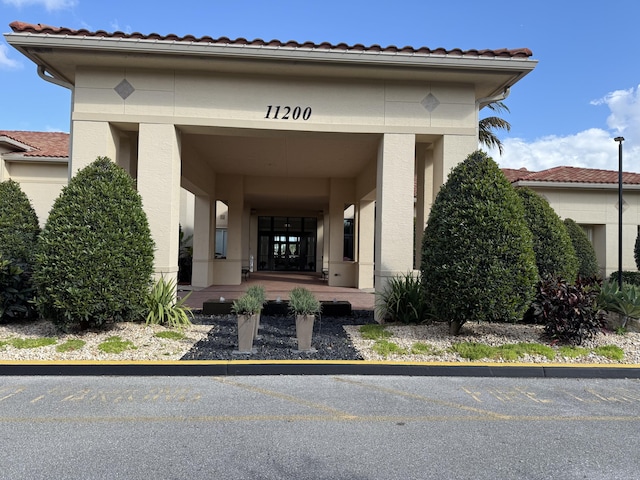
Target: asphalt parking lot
(317, 427)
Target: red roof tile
(22, 27)
(43, 144)
(514, 175)
(572, 175)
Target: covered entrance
(287, 243)
(286, 135)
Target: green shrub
(19, 227)
(568, 311)
(16, 292)
(477, 254)
(632, 278)
(165, 308)
(402, 300)
(555, 255)
(94, 257)
(636, 251)
(586, 254)
(19, 232)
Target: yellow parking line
(289, 398)
(414, 396)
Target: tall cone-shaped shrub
(94, 259)
(555, 255)
(586, 254)
(19, 227)
(477, 254)
(19, 230)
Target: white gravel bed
(149, 347)
(494, 334)
(146, 345)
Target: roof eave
(580, 185)
(26, 42)
(18, 157)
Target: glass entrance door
(287, 244)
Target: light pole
(619, 140)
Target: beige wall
(597, 209)
(42, 182)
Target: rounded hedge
(477, 255)
(94, 259)
(587, 260)
(19, 228)
(555, 255)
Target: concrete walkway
(279, 284)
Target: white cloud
(7, 63)
(592, 148)
(50, 5)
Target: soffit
(281, 154)
(61, 50)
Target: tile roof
(571, 175)
(22, 27)
(43, 144)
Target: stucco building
(590, 198)
(39, 162)
(288, 136)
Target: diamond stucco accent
(625, 205)
(124, 89)
(430, 102)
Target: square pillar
(204, 236)
(394, 208)
(366, 235)
(159, 186)
(90, 140)
(230, 189)
(424, 197)
(341, 272)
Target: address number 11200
(278, 112)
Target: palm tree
(488, 124)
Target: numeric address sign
(285, 112)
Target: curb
(316, 367)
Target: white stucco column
(159, 186)
(366, 235)
(326, 229)
(449, 151)
(394, 208)
(341, 272)
(90, 140)
(424, 196)
(204, 235)
(230, 189)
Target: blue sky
(584, 92)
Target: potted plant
(259, 293)
(304, 305)
(246, 309)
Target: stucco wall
(41, 182)
(227, 99)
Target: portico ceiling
(283, 154)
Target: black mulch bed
(278, 339)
